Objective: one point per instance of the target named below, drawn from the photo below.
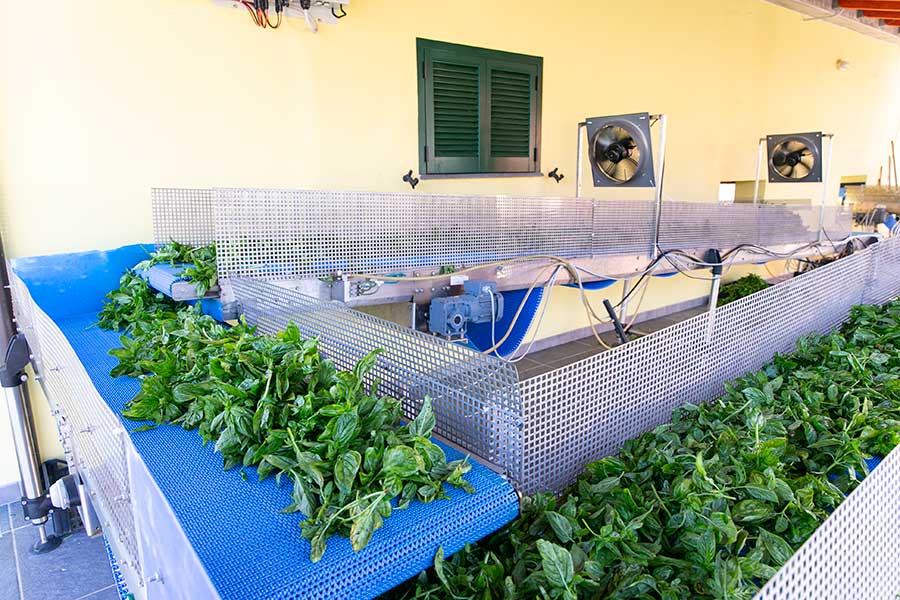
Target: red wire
(249, 8)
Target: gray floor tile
(9, 584)
(552, 355)
(78, 567)
(17, 516)
(4, 518)
(110, 593)
(553, 358)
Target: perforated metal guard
(723, 226)
(183, 215)
(854, 554)
(293, 234)
(584, 411)
(93, 436)
(475, 396)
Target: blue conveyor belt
(250, 550)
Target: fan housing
(795, 157)
(620, 151)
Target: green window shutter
(511, 134)
(479, 110)
(456, 104)
(453, 111)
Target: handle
(555, 174)
(412, 181)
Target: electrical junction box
(451, 316)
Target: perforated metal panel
(291, 234)
(283, 234)
(723, 226)
(183, 215)
(475, 396)
(854, 554)
(94, 437)
(584, 411)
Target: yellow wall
(102, 100)
(105, 99)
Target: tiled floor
(77, 570)
(538, 363)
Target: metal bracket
(18, 356)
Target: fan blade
(800, 171)
(605, 137)
(779, 159)
(794, 145)
(784, 170)
(808, 161)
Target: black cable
(339, 16)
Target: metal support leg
(713, 257)
(661, 173)
(579, 160)
(623, 307)
(15, 355)
(35, 502)
(759, 157)
(825, 182)
(713, 301)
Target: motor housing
(450, 316)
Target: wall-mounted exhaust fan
(795, 157)
(620, 150)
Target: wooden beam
(892, 22)
(870, 4)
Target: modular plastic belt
(250, 550)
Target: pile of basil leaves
(711, 504)
(274, 403)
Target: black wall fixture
(555, 174)
(412, 181)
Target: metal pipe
(825, 181)
(713, 301)
(579, 160)
(659, 183)
(894, 159)
(623, 306)
(759, 157)
(18, 405)
(15, 355)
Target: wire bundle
(259, 12)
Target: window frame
(486, 59)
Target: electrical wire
(537, 326)
(517, 314)
(637, 308)
(277, 22)
(249, 6)
(548, 287)
(671, 256)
